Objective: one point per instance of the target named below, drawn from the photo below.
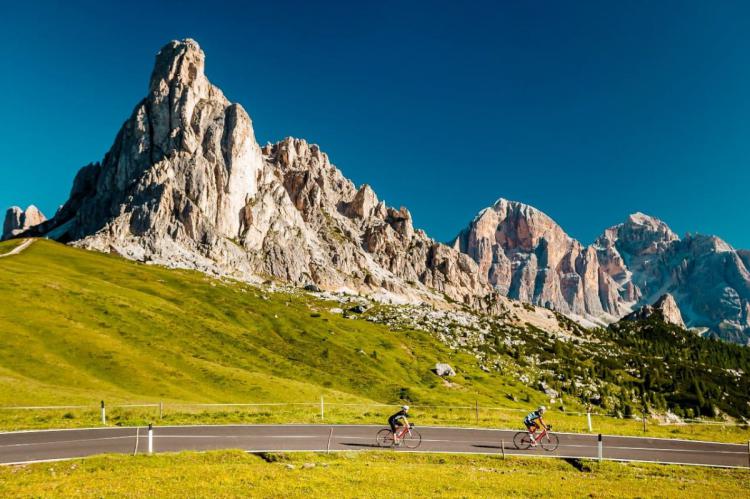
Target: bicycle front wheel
(384, 438)
(412, 439)
(550, 442)
(521, 440)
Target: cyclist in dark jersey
(397, 420)
(534, 421)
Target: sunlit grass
(362, 474)
(77, 327)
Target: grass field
(77, 327)
(363, 474)
(8, 246)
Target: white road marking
(67, 441)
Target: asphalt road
(18, 447)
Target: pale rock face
(443, 369)
(626, 251)
(665, 308)
(17, 220)
(708, 280)
(174, 186)
(527, 256)
(186, 185)
(352, 239)
(13, 221)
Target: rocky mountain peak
(529, 257)
(186, 185)
(524, 226)
(640, 234)
(665, 308)
(18, 220)
(179, 62)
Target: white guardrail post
(150, 439)
(600, 449)
(588, 420)
(104, 414)
(322, 408)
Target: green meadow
(77, 327)
(362, 474)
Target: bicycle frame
(407, 429)
(541, 435)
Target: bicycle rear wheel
(550, 442)
(384, 438)
(521, 440)
(412, 439)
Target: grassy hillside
(8, 246)
(77, 327)
(371, 474)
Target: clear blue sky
(587, 110)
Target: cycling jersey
(396, 419)
(399, 415)
(532, 416)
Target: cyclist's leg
(398, 433)
(530, 427)
(532, 433)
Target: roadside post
(600, 450)
(644, 422)
(476, 410)
(322, 408)
(502, 446)
(588, 419)
(150, 439)
(104, 414)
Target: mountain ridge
(529, 257)
(185, 184)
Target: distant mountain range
(186, 185)
(528, 257)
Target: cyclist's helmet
(541, 409)
(405, 408)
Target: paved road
(16, 447)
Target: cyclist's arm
(541, 422)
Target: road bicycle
(546, 439)
(407, 435)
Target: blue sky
(586, 110)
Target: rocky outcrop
(186, 185)
(665, 309)
(442, 369)
(354, 239)
(527, 256)
(18, 221)
(707, 278)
